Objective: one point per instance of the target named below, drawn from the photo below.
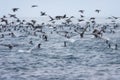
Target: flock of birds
(66, 28)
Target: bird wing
(51, 18)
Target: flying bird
(82, 11)
(34, 6)
(68, 21)
(43, 13)
(18, 20)
(30, 24)
(15, 9)
(51, 19)
(72, 17)
(13, 15)
(80, 20)
(92, 18)
(4, 16)
(33, 21)
(64, 16)
(4, 20)
(10, 46)
(81, 16)
(115, 17)
(97, 10)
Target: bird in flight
(80, 20)
(4, 20)
(15, 9)
(51, 18)
(34, 6)
(82, 11)
(43, 13)
(82, 16)
(12, 15)
(115, 17)
(97, 10)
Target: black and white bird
(51, 18)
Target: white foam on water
(106, 38)
(50, 27)
(71, 40)
(29, 50)
(21, 50)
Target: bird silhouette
(72, 17)
(97, 10)
(18, 20)
(81, 16)
(64, 16)
(68, 20)
(115, 17)
(30, 24)
(12, 16)
(15, 9)
(4, 20)
(43, 13)
(4, 16)
(33, 6)
(51, 19)
(82, 34)
(92, 18)
(80, 20)
(33, 21)
(10, 46)
(96, 33)
(82, 11)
